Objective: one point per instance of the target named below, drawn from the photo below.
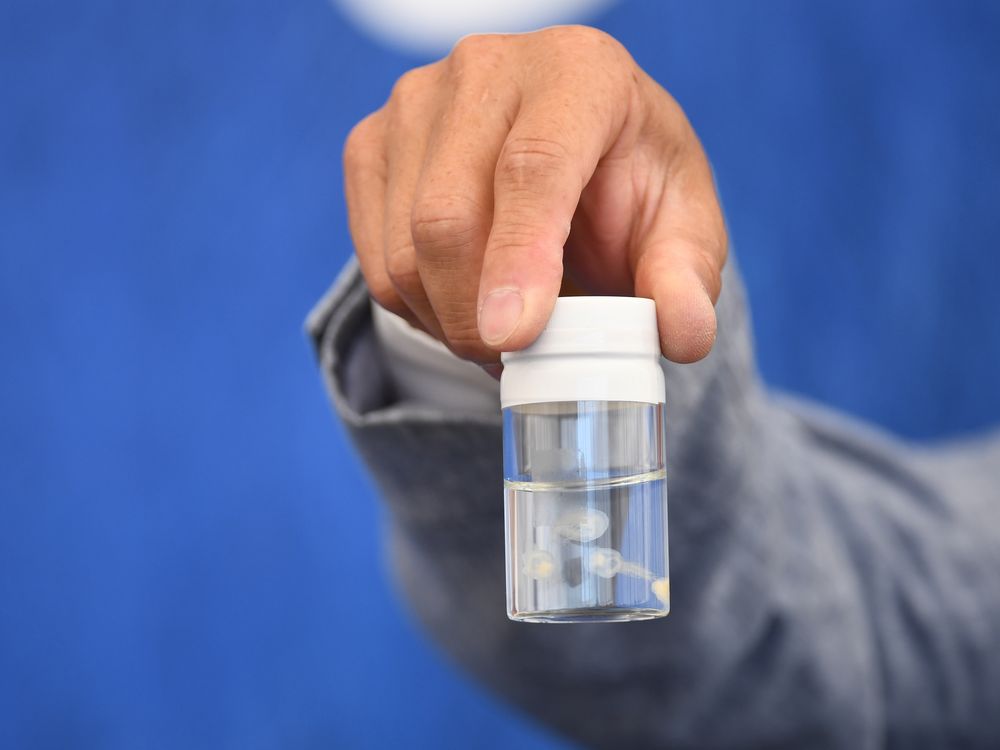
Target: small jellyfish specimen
(661, 590)
(582, 524)
(604, 562)
(538, 564)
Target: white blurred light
(433, 26)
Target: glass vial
(585, 467)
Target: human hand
(517, 159)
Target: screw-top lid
(592, 348)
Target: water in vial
(588, 550)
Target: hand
(517, 159)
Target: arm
(808, 555)
(831, 587)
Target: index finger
(559, 136)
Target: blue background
(189, 553)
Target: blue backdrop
(189, 552)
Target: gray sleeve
(831, 586)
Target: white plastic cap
(592, 349)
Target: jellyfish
(582, 524)
(604, 562)
(538, 564)
(661, 589)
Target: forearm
(443, 483)
(792, 594)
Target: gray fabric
(831, 585)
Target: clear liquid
(588, 551)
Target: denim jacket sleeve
(832, 586)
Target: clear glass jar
(585, 467)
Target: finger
(364, 191)
(549, 156)
(411, 115)
(453, 205)
(680, 259)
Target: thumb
(680, 259)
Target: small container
(585, 466)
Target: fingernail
(499, 315)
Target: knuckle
(401, 267)
(359, 144)
(472, 49)
(525, 161)
(412, 84)
(609, 69)
(404, 86)
(578, 34)
(441, 225)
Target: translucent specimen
(538, 564)
(582, 524)
(604, 562)
(661, 589)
